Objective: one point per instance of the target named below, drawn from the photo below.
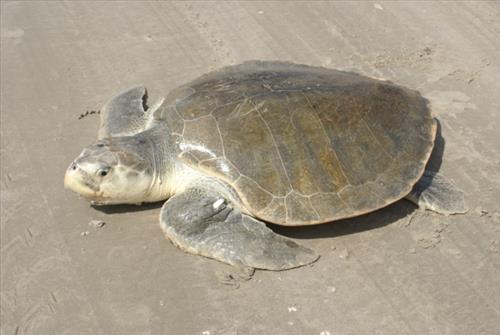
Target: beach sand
(396, 271)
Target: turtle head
(116, 170)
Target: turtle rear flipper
(438, 194)
(203, 223)
(126, 114)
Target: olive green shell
(303, 145)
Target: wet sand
(395, 271)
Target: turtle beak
(70, 175)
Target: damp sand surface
(395, 271)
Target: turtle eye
(103, 172)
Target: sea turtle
(272, 142)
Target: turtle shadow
(436, 159)
(119, 209)
(365, 222)
(374, 220)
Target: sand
(396, 271)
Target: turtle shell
(303, 145)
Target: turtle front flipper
(126, 114)
(438, 194)
(203, 223)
